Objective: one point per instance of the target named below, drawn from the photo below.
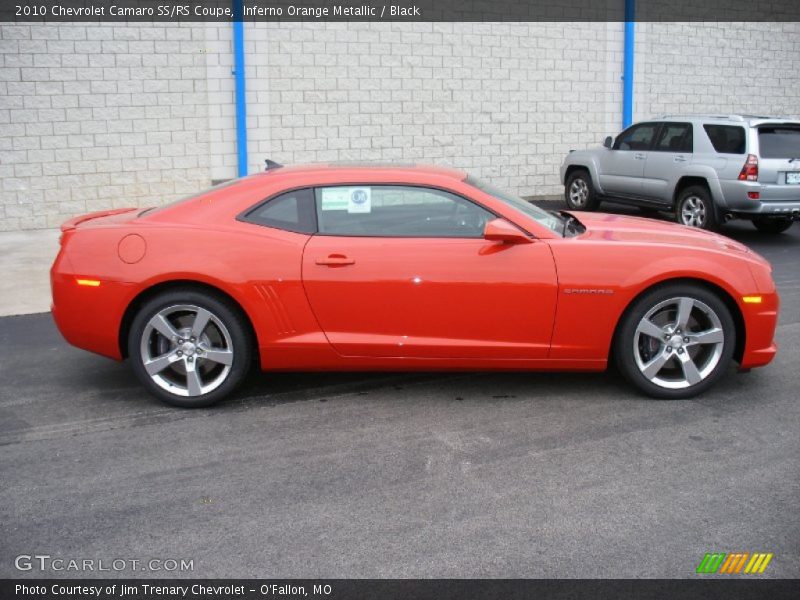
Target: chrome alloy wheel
(578, 192)
(693, 212)
(678, 343)
(186, 350)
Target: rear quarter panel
(258, 267)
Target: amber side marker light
(88, 282)
(751, 299)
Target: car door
(403, 271)
(667, 161)
(622, 167)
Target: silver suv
(705, 169)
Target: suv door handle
(679, 159)
(335, 260)
(638, 156)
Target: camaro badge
(588, 291)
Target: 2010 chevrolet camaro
(403, 268)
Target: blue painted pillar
(627, 69)
(239, 78)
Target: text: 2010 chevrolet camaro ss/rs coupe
(346, 267)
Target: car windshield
(552, 221)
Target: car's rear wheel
(579, 191)
(676, 341)
(772, 225)
(189, 348)
(695, 208)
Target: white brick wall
(94, 116)
(505, 101)
(718, 68)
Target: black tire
(582, 197)
(695, 208)
(772, 225)
(630, 347)
(226, 327)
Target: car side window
(397, 211)
(639, 137)
(674, 137)
(291, 211)
(726, 139)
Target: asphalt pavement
(409, 475)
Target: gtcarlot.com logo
(735, 563)
(46, 562)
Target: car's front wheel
(189, 348)
(695, 208)
(579, 191)
(772, 225)
(675, 341)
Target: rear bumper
(88, 317)
(774, 200)
(770, 209)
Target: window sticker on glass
(351, 199)
(360, 200)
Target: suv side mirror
(608, 142)
(500, 230)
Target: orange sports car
(364, 267)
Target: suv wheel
(675, 341)
(773, 225)
(579, 191)
(695, 208)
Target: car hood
(620, 228)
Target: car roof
(372, 168)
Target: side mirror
(500, 230)
(608, 142)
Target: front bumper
(760, 322)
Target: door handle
(335, 260)
(638, 156)
(679, 159)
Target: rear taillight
(749, 171)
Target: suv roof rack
(729, 117)
(737, 118)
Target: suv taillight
(749, 171)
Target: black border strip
(398, 10)
(733, 588)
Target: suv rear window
(726, 139)
(779, 142)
